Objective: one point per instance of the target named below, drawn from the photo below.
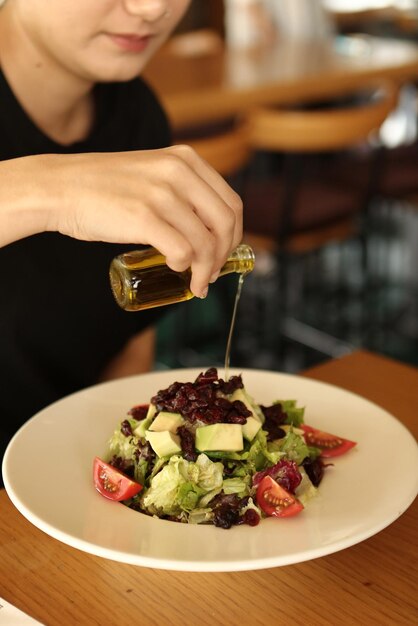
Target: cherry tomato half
(330, 445)
(112, 483)
(276, 501)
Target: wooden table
(205, 88)
(374, 582)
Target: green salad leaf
(293, 447)
(183, 485)
(294, 413)
(240, 486)
(120, 445)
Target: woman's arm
(169, 198)
(137, 357)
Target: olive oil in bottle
(142, 280)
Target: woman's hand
(169, 198)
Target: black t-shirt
(59, 323)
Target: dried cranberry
(210, 376)
(315, 470)
(231, 385)
(251, 517)
(139, 412)
(126, 428)
(187, 443)
(274, 418)
(238, 413)
(200, 402)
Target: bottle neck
(240, 261)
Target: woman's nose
(149, 10)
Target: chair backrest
(225, 146)
(227, 152)
(323, 129)
(201, 42)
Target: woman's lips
(131, 43)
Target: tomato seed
(323, 443)
(277, 502)
(107, 484)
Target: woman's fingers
(217, 204)
(206, 210)
(169, 198)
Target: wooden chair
(297, 134)
(227, 151)
(300, 211)
(200, 42)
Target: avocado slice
(224, 437)
(251, 428)
(163, 443)
(143, 425)
(167, 421)
(245, 398)
(152, 409)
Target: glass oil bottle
(142, 280)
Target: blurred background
(328, 175)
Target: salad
(205, 452)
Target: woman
(84, 161)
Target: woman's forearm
(169, 198)
(24, 205)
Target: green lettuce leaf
(200, 516)
(183, 485)
(188, 496)
(123, 446)
(240, 486)
(294, 414)
(293, 446)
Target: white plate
(48, 475)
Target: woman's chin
(118, 73)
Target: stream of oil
(232, 326)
